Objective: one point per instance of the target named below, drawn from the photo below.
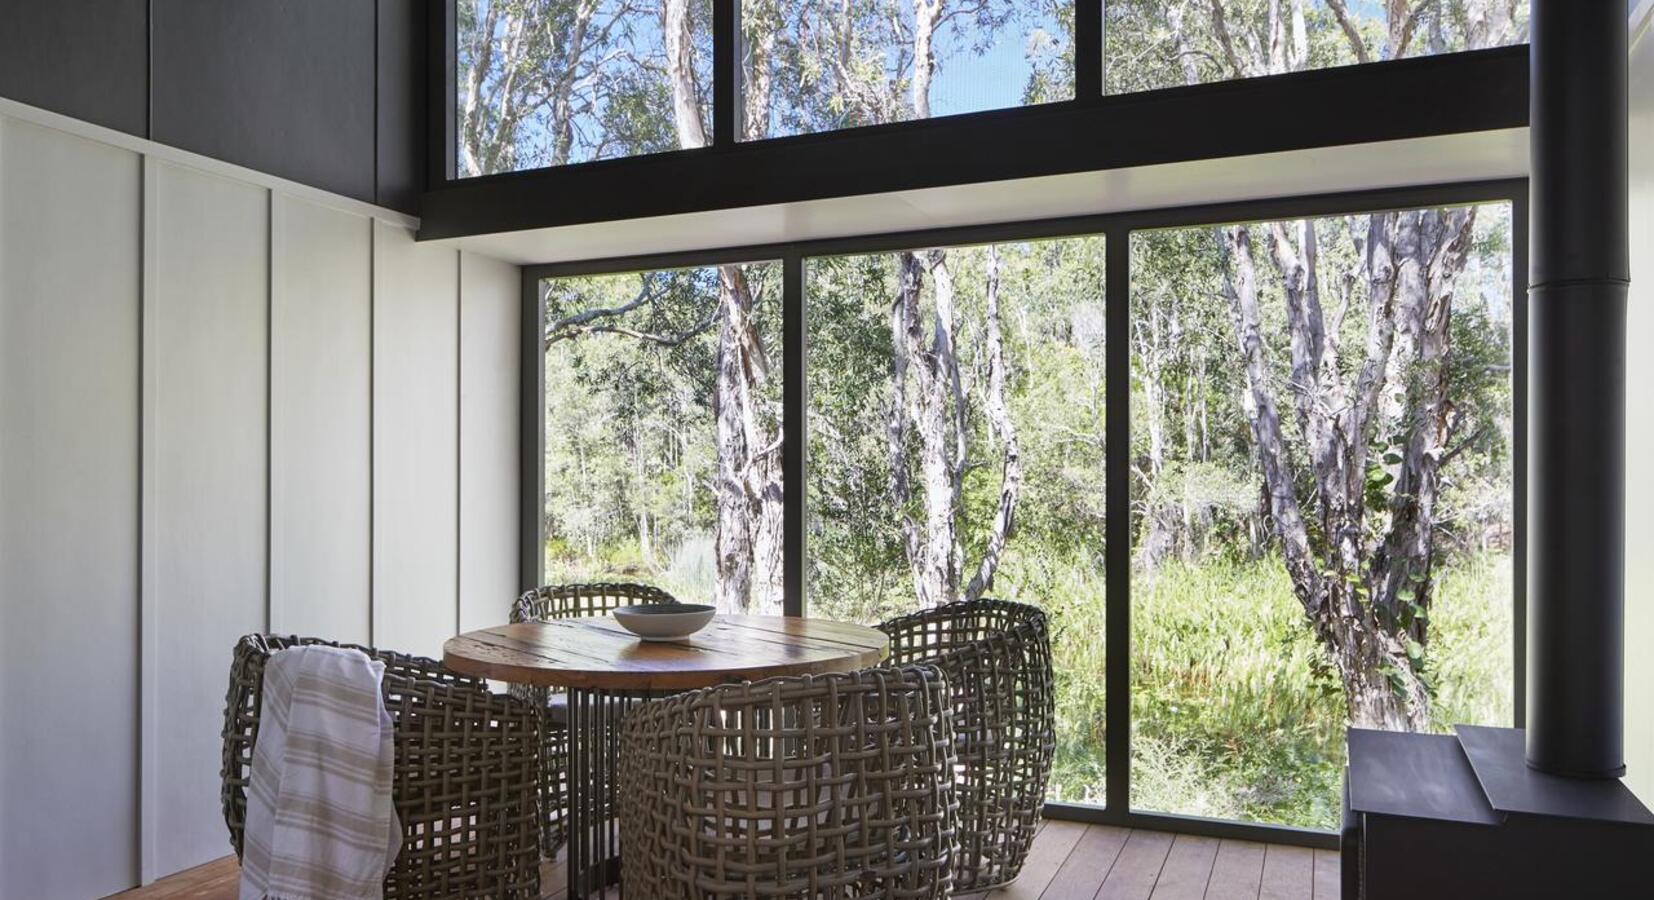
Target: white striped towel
(320, 824)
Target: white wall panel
(206, 312)
(320, 427)
(490, 316)
(195, 444)
(415, 442)
(1639, 475)
(69, 308)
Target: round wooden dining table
(606, 669)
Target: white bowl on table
(664, 621)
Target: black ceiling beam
(1452, 94)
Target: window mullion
(795, 439)
(1117, 464)
(726, 84)
(1088, 48)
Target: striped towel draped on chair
(320, 824)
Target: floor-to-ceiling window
(1257, 472)
(957, 450)
(550, 83)
(1322, 499)
(662, 421)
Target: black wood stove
(1431, 816)
(1511, 813)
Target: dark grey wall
(281, 86)
(83, 58)
(401, 102)
(328, 93)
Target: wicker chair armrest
(931, 634)
(564, 601)
(440, 717)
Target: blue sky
(993, 80)
(996, 78)
(968, 81)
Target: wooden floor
(1070, 861)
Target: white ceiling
(1434, 160)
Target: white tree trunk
(1355, 589)
(922, 379)
(1004, 428)
(680, 69)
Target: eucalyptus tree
(548, 82)
(811, 66)
(1347, 453)
(1358, 535)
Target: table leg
(593, 829)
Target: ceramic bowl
(664, 621)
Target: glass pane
(663, 431)
(809, 66)
(978, 404)
(1322, 500)
(1157, 44)
(550, 82)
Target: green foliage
(1237, 708)
(1052, 294)
(1148, 49)
(1237, 712)
(630, 442)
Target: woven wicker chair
(566, 601)
(997, 659)
(824, 786)
(465, 783)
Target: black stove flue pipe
(1579, 277)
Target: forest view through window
(1322, 499)
(663, 432)
(542, 83)
(957, 424)
(550, 82)
(809, 66)
(1151, 44)
(1321, 495)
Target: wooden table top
(596, 653)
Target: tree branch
(586, 317)
(1358, 44)
(663, 340)
(1241, 286)
(1220, 25)
(1401, 37)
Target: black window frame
(1116, 228)
(1382, 100)
(726, 84)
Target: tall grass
(1236, 710)
(1072, 590)
(686, 571)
